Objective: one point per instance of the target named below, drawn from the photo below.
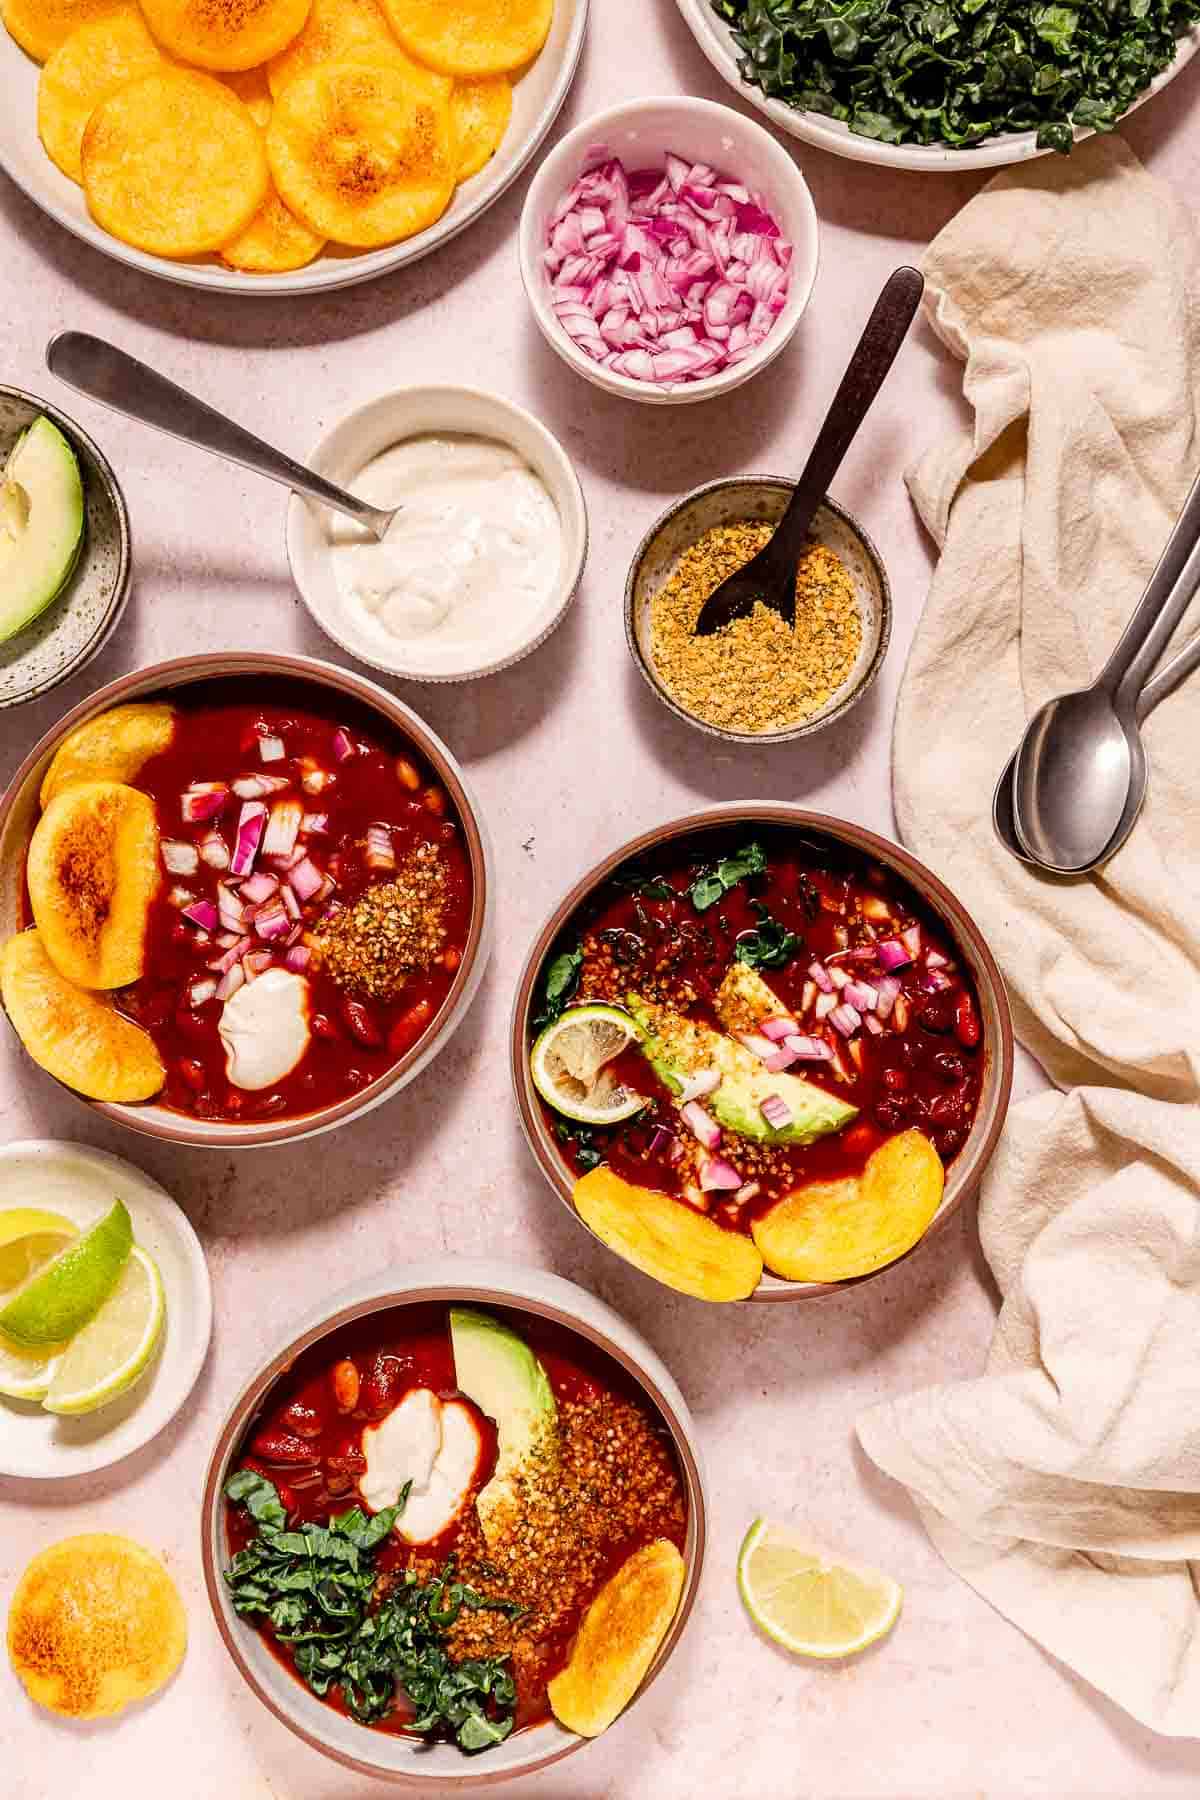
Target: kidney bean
(861, 1137)
(896, 1079)
(361, 1023)
(338, 1485)
(324, 1027)
(409, 1026)
(946, 1109)
(192, 1072)
(891, 1111)
(949, 1139)
(352, 1463)
(966, 1022)
(303, 1419)
(275, 1445)
(949, 1068)
(936, 1013)
(407, 774)
(346, 1385)
(381, 1389)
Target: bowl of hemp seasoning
(758, 680)
(481, 562)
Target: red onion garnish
(696, 1086)
(298, 957)
(780, 1026)
(203, 800)
(254, 787)
(911, 939)
(343, 745)
(871, 1021)
(839, 977)
(271, 749)
(258, 888)
(214, 850)
(703, 1128)
(772, 1056)
(200, 991)
(661, 1140)
(256, 962)
(667, 277)
(776, 1111)
(314, 824)
(717, 1175)
(809, 1049)
(860, 994)
(886, 994)
(251, 821)
(233, 978)
(893, 954)
(845, 1019)
(819, 973)
(283, 828)
(203, 913)
(826, 1003)
(379, 851)
(233, 954)
(179, 858)
(306, 878)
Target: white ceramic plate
(537, 98)
(82, 1183)
(716, 40)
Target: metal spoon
(771, 575)
(1156, 689)
(1081, 762)
(115, 379)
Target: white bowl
(343, 453)
(641, 132)
(479, 1282)
(538, 94)
(716, 41)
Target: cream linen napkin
(1064, 1482)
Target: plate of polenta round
(286, 146)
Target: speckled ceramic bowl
(963, 1174)
(75, 626)
(729, 502)
(449, 1279)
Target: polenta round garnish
(344, 31)
(95, 1623)
(40, 26)
(225, 34)
(275, 240)
(94, 62)
(93, 869)
(174, 164)
(479, 113)
(73, 1035)
(471, 37)
(362, 154)
(253, 90)
(114, 746)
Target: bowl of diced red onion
(668, 249)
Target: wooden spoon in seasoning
(771, 575)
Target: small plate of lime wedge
(105, 1309)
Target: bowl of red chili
(478, 1469)
(313, 906)
(761, 1052)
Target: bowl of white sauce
(483, 559)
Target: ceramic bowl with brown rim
(758, 499)
(346, 1071)
(573, 1331)
(985, 1076)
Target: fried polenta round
(479, 115)
(619, 1638)
(174, 164)
(222, 35)
(95, 1623)
(837, 1230)
(251, 88)
(95, 61)
(343, 31)
(362, 155)
(70, 1033)
(40, 26)
(471, 37)
(274, 241)
(93, 871)
(111, 747)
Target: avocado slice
(744, 999)
(676, 1047)
(41, 524)
(498, 1371)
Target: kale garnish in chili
(770, 945)
(562, 978)
(958, 71)
(712, 883)
(315, 1585)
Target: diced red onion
(838, 977)
(233, 978)
(661, 1140)
(272, 921)
(845, 1019)
(772, 1056)
(911, 939)
(703, 1128)
(893, 954)
(860, 994)
(214, 850)
(251, 821)
(179, 858)
(255, 787)
(636, 261)
(326, 888)
(259, 887)
(820, 974)
(718, 1176)
(271, 749)
(780, 1026)
(203, 800)
(200, 991)
(776, 1111)
(825, 1005)
(748, 1191)
(379, 851)
(306, 879)
(343, 745)
(935, 960)
(287, 895)
(702, 1082)
(298, 958)
(283, 828)
(256, 962)
(233, 954)
(935, 982)
(289, 861)
(871, 1021)
(202, 913)
(226, 940)
(807, 995)
(886, 994)
(314, 824)
(809, 1049)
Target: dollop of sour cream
(434, 1444)
(476, 548)
(264, 1028)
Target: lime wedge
(810, 1603)
(569, 1063)
(29, 1237)
(57, 1300)
(25, 1374)
(112, 1351)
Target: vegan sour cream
(472, 555)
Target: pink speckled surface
(569, 753)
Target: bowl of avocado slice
(64, 547)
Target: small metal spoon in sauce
(117, 380)
(1080, 772)
(771, 575)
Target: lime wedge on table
(807, 1601)
(569, 1063)
(53, 1304)
(110, 1353)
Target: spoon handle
(1166, 599)
(876, 351)
(117, 380)
(1168, 678)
